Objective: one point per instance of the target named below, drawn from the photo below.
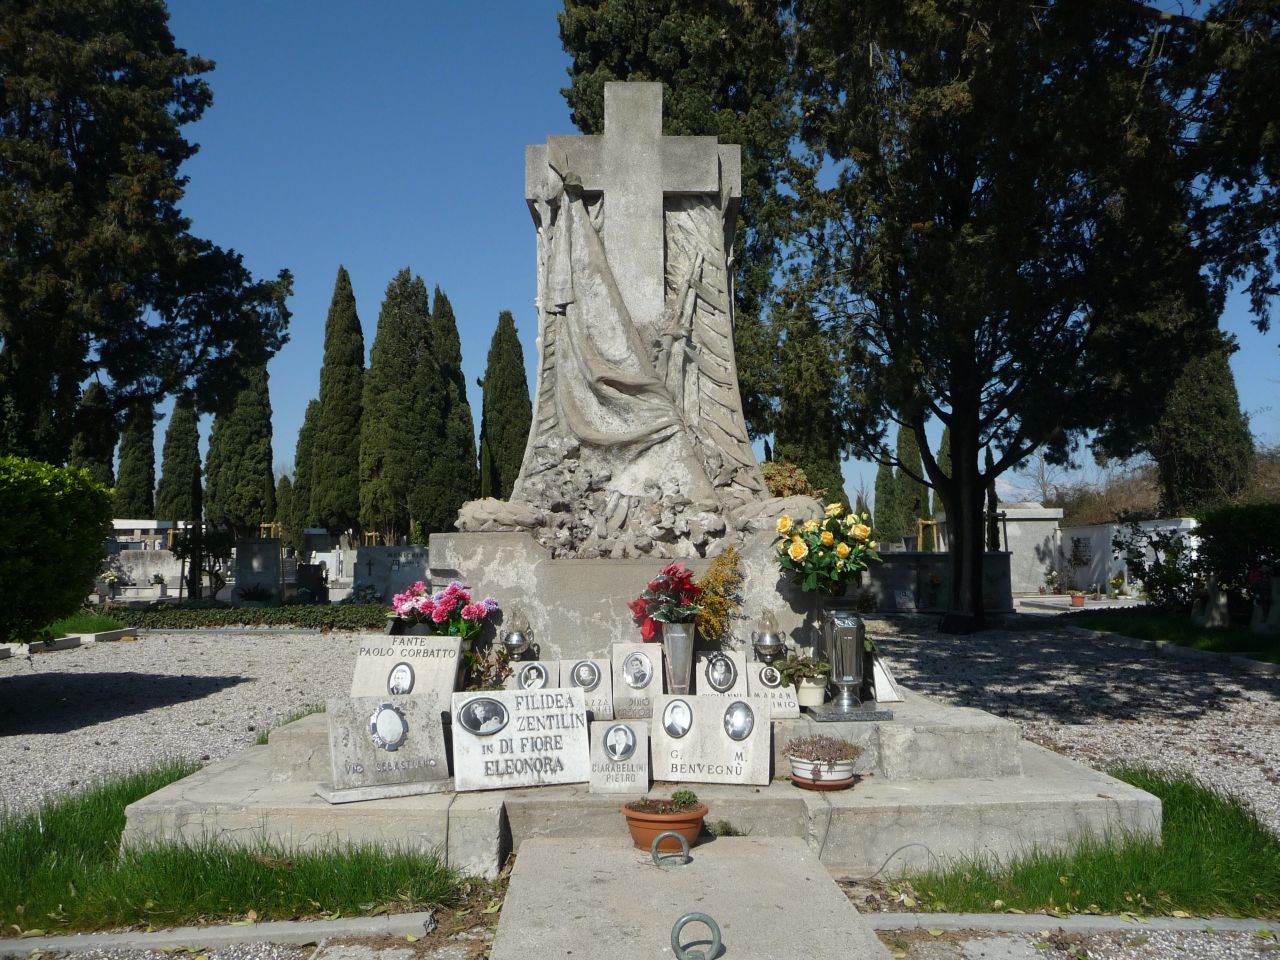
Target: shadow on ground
(1048, 674)
(61, 702)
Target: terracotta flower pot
(1077, 599)
(645, 826)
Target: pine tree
(93, 447)
(398, 415)
(177, 495)
(506, 411)
(806, 432)
(944, 452)
(284, 511)
(335, 458)
(888, 520)
(912, 494)
(136, 481)
(300, 517)
(1202, 445)
(241, 491)
(451, 476)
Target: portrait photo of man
(720, 672)
(400, 679)
(586, 675)
(677, 718)
(619, 742)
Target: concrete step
(771, 899)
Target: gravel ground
(1049, 945)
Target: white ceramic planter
(821, 772)
(811, 693)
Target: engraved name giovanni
(535, 746)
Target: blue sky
(392, 134)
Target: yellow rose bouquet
(825, 555)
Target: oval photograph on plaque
(720, 672)
(677, 719)
(770, 677)
(637, 670)
(388, 728)
(483, 716)
(585, 674)
(400, 679)
(739, 720)
(532, 676)
(619, 742)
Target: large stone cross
(636, 167)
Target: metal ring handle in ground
(683, 954)
(678, 860)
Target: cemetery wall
(1096, 562)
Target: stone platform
(937, 781)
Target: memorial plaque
(595, 679)
(637, 679)
(711, 739)
(398, 666)
(722, 673)
(904, 600)
(385, 741)
(520, 738)
(763, 680)
(619, 756)
(533, 675)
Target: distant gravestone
(258, 565)
(904, 600)
(723, 673)
(389, 570)
(619, 756)
(513, 738)
(637, 679)
(595, 679)
(310, 582)
(711, 739)
(385, 747)
(533, 675)
(400, 666)
(764, 680)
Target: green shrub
(51, 542)
(313, 617)
(1237, 541)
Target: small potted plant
(820, 762)
(1077, 598)
(157, 581)
(649, 816)
(449, 612)
(808, 675)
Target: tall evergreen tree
(860, 505)
(335, 461)
(506, 411)
(944, 452)
(176, 497)
(888, 518)
(136, 480)
(993, 505)
(912, 494)
(401, 411)
(300, 517)
(93, 447)
(284, 510)
(1202, 445)
(451, 476)
(806, 432)
(241, 491)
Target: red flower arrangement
(669, 598)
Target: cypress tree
(93, 446)
(180, 466)
(398, 415)
(241, 491)
(1202, 445)
(993, 503)
(136, 481)
(506, 411)
(284, 510)
(888, 521)
(300, 516)
(451, 476)
(806, 432)
(912, 494)
(335, 458)
(944, 452)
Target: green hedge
(362, 616)
(1234, 541)
(53, 524)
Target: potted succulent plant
(820, 762)
(650, 816)
(808, 675)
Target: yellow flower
(798, 550)
(873, 545)
(835, 509)
(784, 524)
(861, 531)
(842, 550)
(811, 526)
(828, 538)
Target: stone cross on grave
(635, 167)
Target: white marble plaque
(763, 680)
(399, 666)
(713, 739)
(904, 600)
(637, 679)
(376, 741)
(619, 756)
(723, 673)
(885, 683)
(595, 679)
(520, 738)
(533, 675)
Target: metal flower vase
(843, 644)
(677, 644)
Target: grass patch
(298, 714)
(63, 871)
(82, 621)
(1216, 859)
(1147, 623)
